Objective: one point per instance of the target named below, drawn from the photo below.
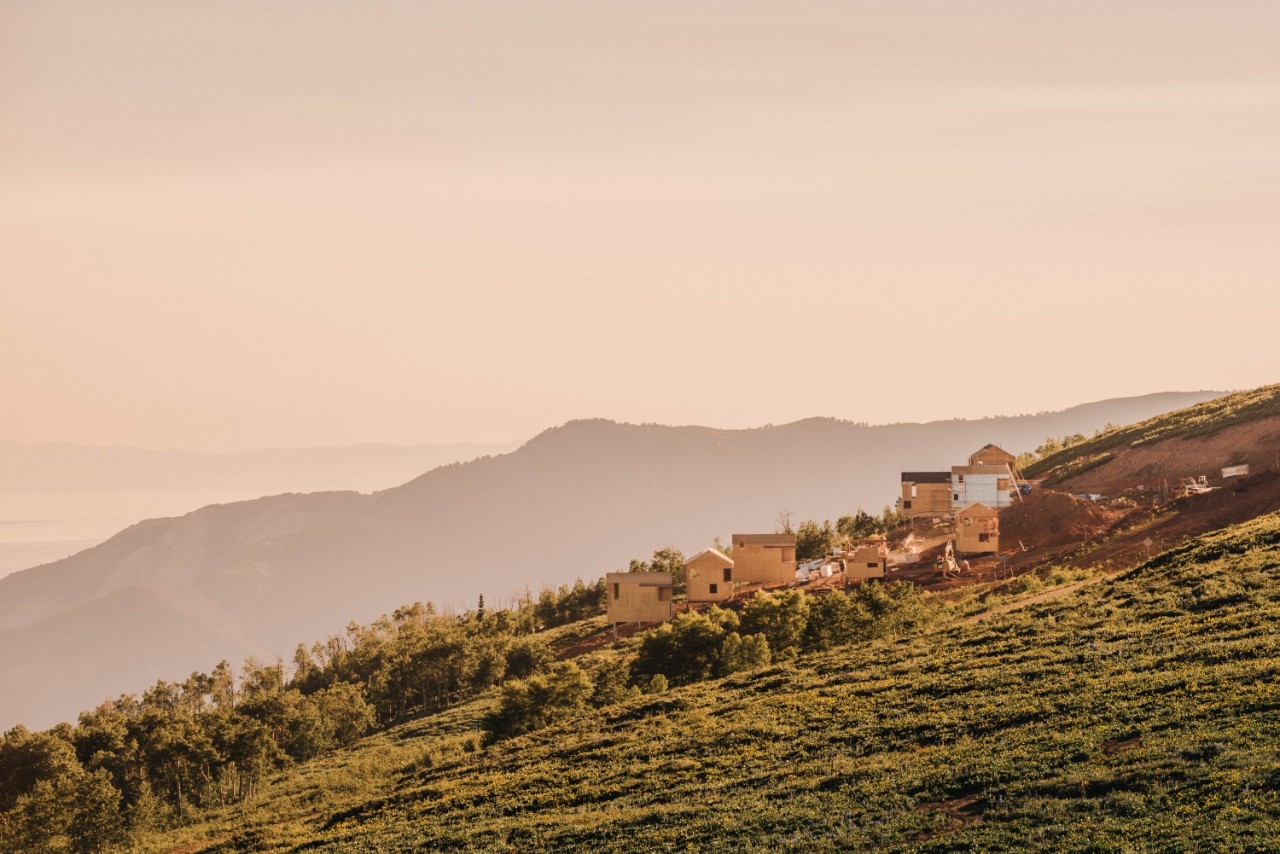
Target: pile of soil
(1047, 518)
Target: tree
(859, 526)
(685, 650)
(610, 680)
(526, 656)
(814, 540)
(783, 522)
(529, 704)
(743, 653)
(781, 617)
(344, 713)
(671, 560)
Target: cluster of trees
(1052, 446)
(814, 540)
(773, 626)
(138, 763)
(151, 761)
(697, 646)
(665, 559)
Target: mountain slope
(1138, 713)
(578, 500)
(1240, 428)
(56, 499)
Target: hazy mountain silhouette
(56, 499)
(168, 596)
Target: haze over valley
(56, 500)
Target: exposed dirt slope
(1046, 519)
(1150, 465)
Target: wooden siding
(764, 558)
(709, 577)
(977, 530)
(638, 597)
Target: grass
(1140, 713)
(1201, 420)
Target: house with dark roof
(926, 493)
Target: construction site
(981, 523)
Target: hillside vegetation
(1138, 713)
(1194, 422)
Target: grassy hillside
(1194, 422)
(1140, 713)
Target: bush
(780, 617)
(529, 704)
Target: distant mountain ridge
(61, 466)
(168, 596)
(56, 499)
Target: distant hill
(168, 596)
(56, 499)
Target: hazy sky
(242, 224)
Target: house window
(955, 496)
(615, 591)
(873, 565)
(728, 573)
(712, 589)
(984, 538)
(906, 505)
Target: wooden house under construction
(926, 493)
(638, 597)
(709, 576)
(764, 558)
(868, 559)
(992, 455)
(978, 530)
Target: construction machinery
(1195, 486)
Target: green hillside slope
(1140, 713)
(1194, 422)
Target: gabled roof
(977, 508)
(713, 553)
(926, 477)
(987, 448)
(994, 471)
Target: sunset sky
(250, 224)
